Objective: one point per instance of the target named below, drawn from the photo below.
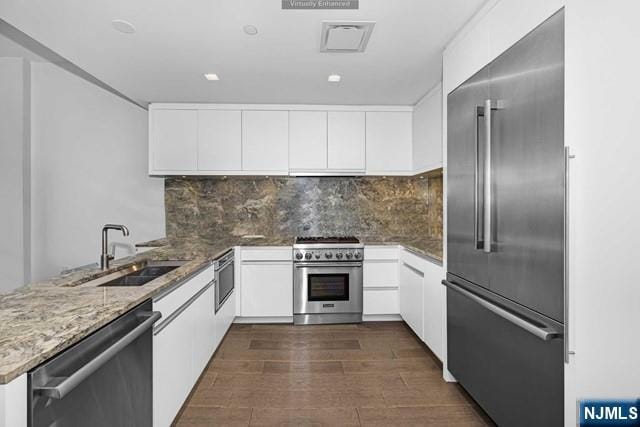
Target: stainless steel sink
(139, 274)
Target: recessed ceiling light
(123, 26)
(334, 78)
(251, 30)
(211, 77)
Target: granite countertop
(425, 246)
(39, 320)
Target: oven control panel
(328, 254)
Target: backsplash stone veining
(220, 207)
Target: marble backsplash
(221, 207)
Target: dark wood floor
(370, 374)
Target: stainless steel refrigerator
(505, 241)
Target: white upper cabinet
(265, 142)
(346, 141)
(173, 141)
(389, 138)
(307, 140)
(230, 139)
(219, 140)
(427, 132)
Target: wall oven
(327, 284)
(224, 278)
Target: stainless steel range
(327, 280)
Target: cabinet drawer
(280, 253)
(171, 302)
(380, 273)
(267, 289)
(384, 253)
(380, 301)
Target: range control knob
(349, 255)
(307, 255)
(317, 256)
(298, 255)
(328, 255)
(357, 255)
(339, 255)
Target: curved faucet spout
(105, 257)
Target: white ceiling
(178, 41)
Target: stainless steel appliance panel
(526, 260)
(465, 182)
(515, 376)
(304, 274)
(224, 279)
(104, 380)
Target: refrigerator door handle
(567, 159)
(487, 178)
(544, 332)
(476, 180)
(488, 108)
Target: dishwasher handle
(59, 387)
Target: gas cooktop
(326, 240)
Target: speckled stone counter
(427, 247)
(39, 320)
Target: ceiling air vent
(345, 36)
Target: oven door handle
(328, 264)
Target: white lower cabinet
(422, 298)
(380, 281)
(380, 301)
(225, 317)
(433, 302)
(267, 289)
(204, 331)
(411, 287)
(172, 367)
(184, 340)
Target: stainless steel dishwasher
(103, 380)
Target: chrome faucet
(105, 256)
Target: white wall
(602, 108)
(427, 131)
(89, 167)
(14, 182)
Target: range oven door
(323, 288)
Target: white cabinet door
(380, 301)
(427, 132)
(410, 288)
(265, 141)
(225, 317)
(172, 368)
(389, 147)
(434, 299)
(204, 331)
(173, 142)
(267, 289)
(377, 274)
(307, 140)
(346, 140)
(219, 140)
